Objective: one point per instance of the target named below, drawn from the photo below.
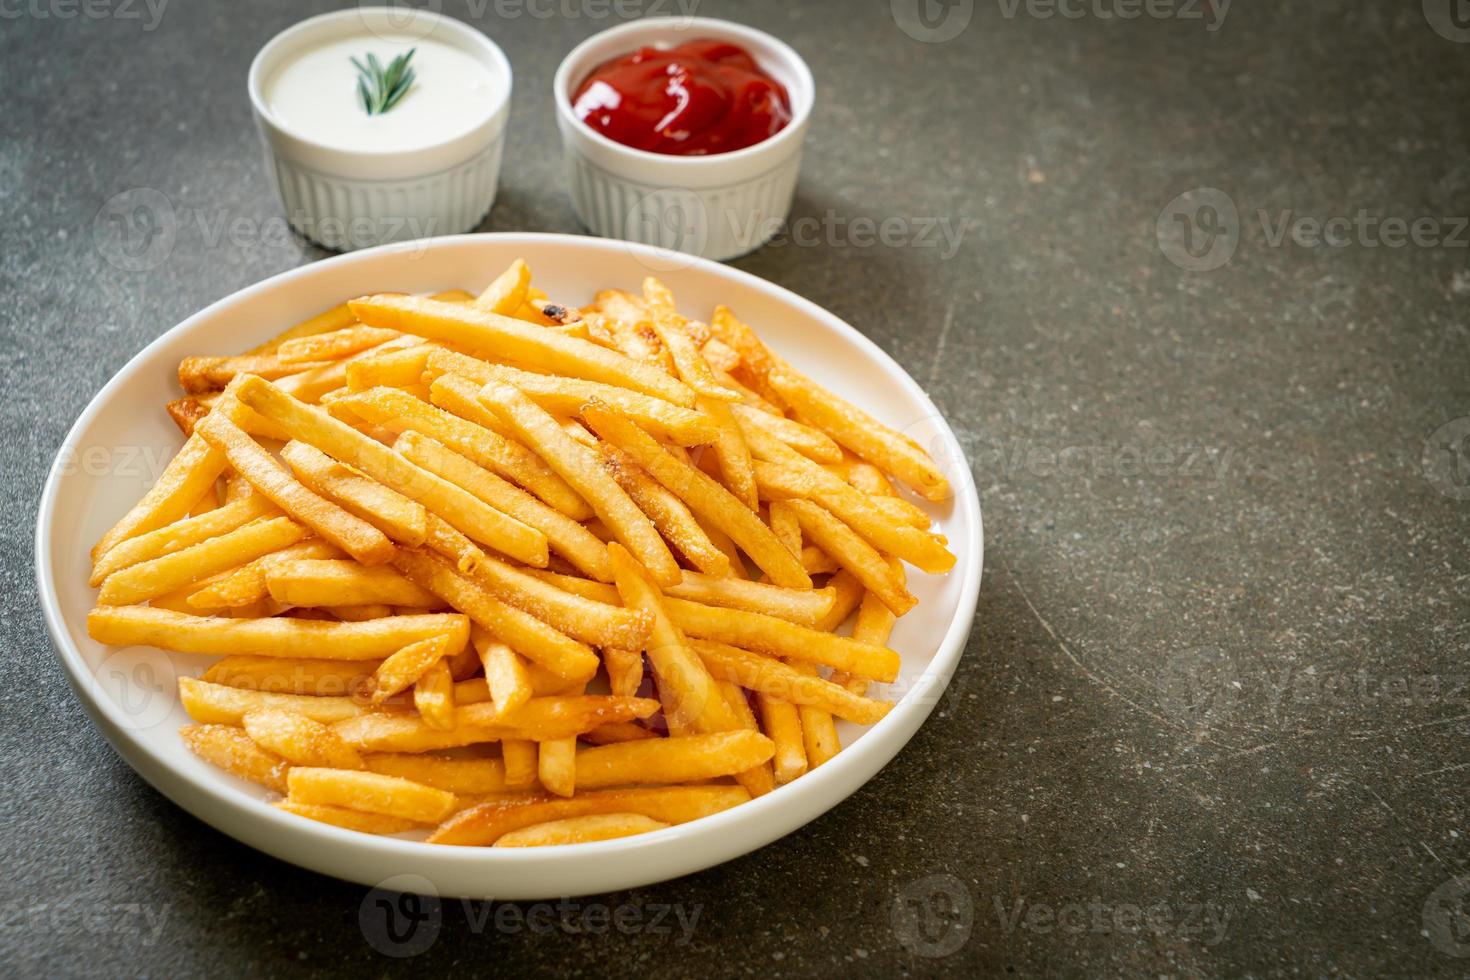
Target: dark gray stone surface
(1213, 715)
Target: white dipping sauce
(315, 94)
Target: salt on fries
(423, 533)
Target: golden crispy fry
(352, 534)
(285, 675)
(596, 623)
(777, 637)
(185, 479)
(311, 386)
(458, 776)
(246, 585)
(874, 625)
(703, 495)
(217, 704)
(781, 519)
(283, 637)
(689, 364)
(186, 413)
(150, 579)
(339, 816)
(520, 759)
(181, 534)
(401, 412)
(759, 779)
(336, 318)
(769, 676)
(463, 511)
(684, 759)
(405, 521)
(563, 535)
(556, 766)
(433, 696)
(849, 594)
(198, 374)
(400, 671)
(818, 733)
(812, 443)
(525, 633)
(782, 724)
(668, 513)
(506, 677)
(538, 720)
(618, 731)
(732, 453)
(805, 607)
(624, 670)
(889, 450)
(581, 468)
(332, 345)
(756, 360)
(370, 792)
(581, 830)
(299, 740)
(234, 752)
(565, 396)
(400, 367)
(513, 340)
(854, 554)
(488, 822)
(343, 583)
(506, 294)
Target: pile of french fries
(422, 532)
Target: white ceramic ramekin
(349, 199)
(718, 206)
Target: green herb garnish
(380, 90)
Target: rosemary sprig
(380, 89)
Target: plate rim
(820, 789)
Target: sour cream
(314, 94)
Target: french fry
(556, 765)
(756, 360)
(187, 476)
(581, 468)
(488, 822)
(352, 534)
(624, 670)
(854, 554)
(508, 291)
(525, 633)
(538, 720)
(506, 677)
(563, 535)
(400, 367)
(805, 607)
(781, 518)
(198, 374)
(672, 760)
(777, 637)
(283, 637)
(849, 594)
(565, 396)
(284, 675)
(237, 754)
(818, 733)
(703, 495)
(767, 675)
(667, 512)
(401, 670)
(405, 521)
(334, 319)
(245, 586)
(618, 731)
(596, 623)
(158, 576)
(812, 443)
(186, 413)
(333, 344)
(343, 583)
(466, 513)
(874, 625)
(889, 450)
(758, 779)
(217, 704)
(732, 453)
(401, 412)
(516, 341)
(520, 759)
(370, 792)
(782, 724)
(182, 534)
(581, 830)
(340, 816)
(433, 696)
(457, 776)
(299, 740)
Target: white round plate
(123, 439)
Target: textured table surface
(1213, 714)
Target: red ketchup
(700, 98)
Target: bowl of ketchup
(683, 133)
